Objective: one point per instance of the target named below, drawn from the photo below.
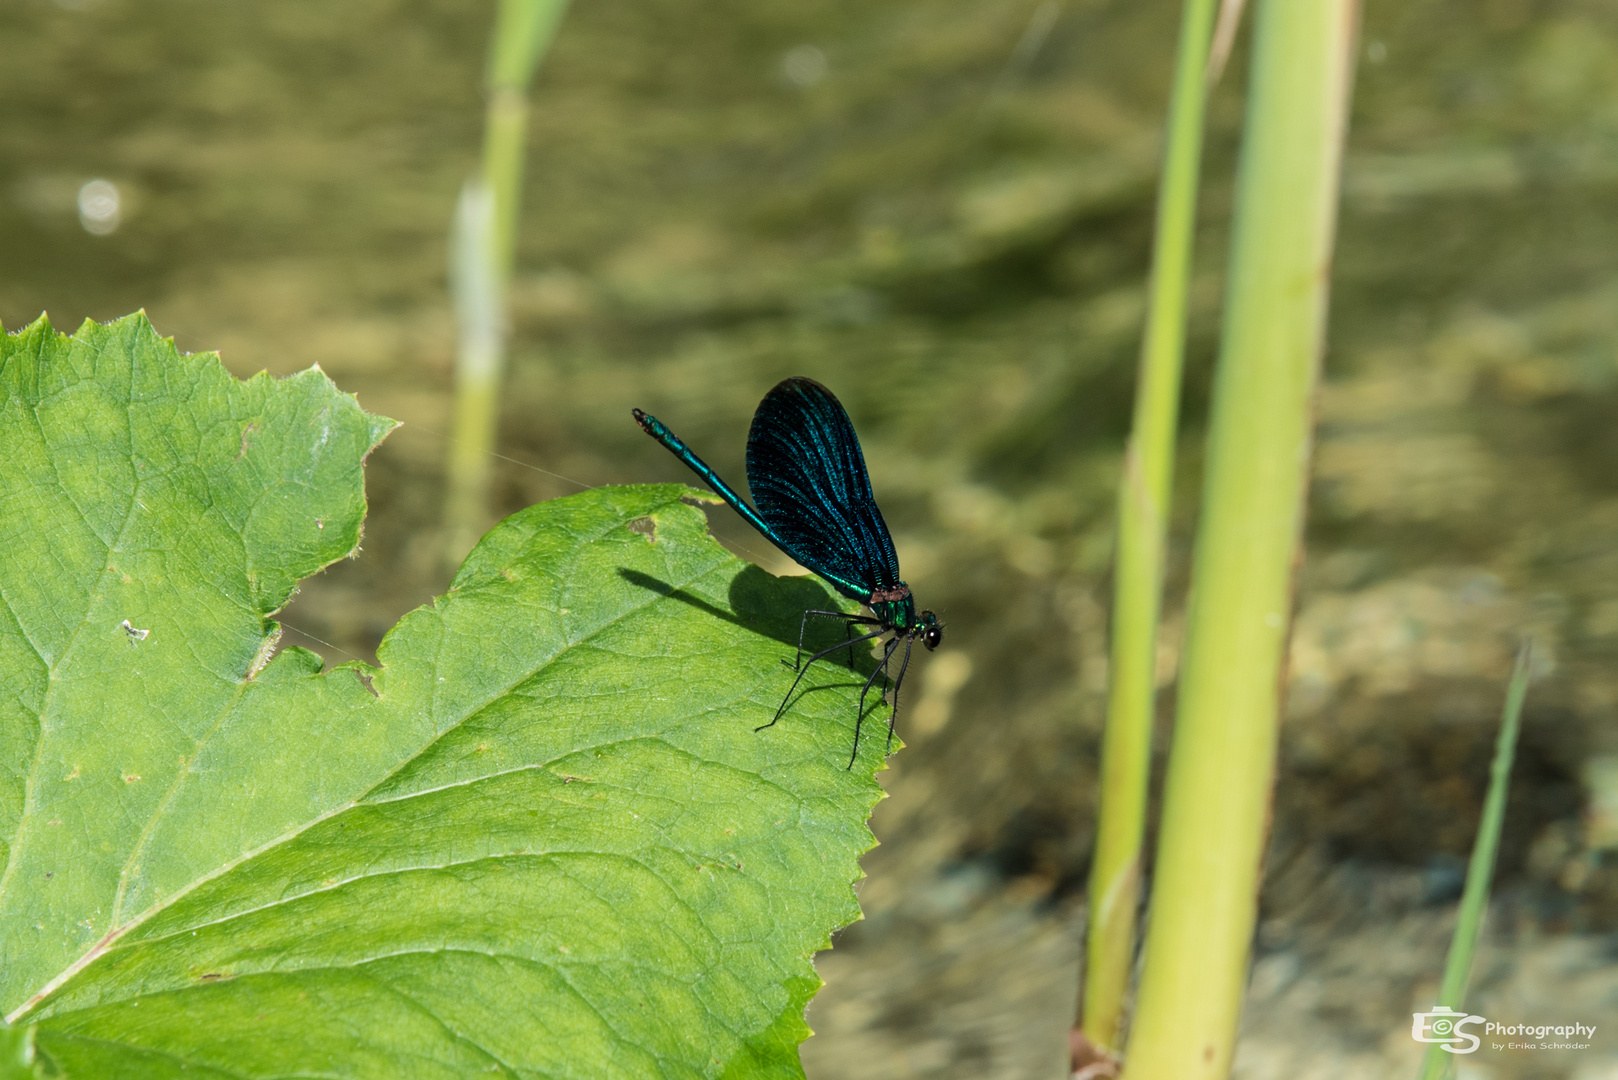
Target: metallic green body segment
(899, 614)
(676, 446)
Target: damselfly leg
(904, 666)
(849, 622)
(859, 717)
(805, 670)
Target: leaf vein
(443, 1024)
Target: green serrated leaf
(541, 839)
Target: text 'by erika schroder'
(1572, 1032)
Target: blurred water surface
(942, 209)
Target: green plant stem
(523, 31)
(1222, 761)
(1143, 500)
(1439, 1063)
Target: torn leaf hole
(646, 526)
(365, 681)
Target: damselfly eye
(933, 637)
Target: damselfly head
(932, 631)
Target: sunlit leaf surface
(542, 839)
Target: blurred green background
(941, 209)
